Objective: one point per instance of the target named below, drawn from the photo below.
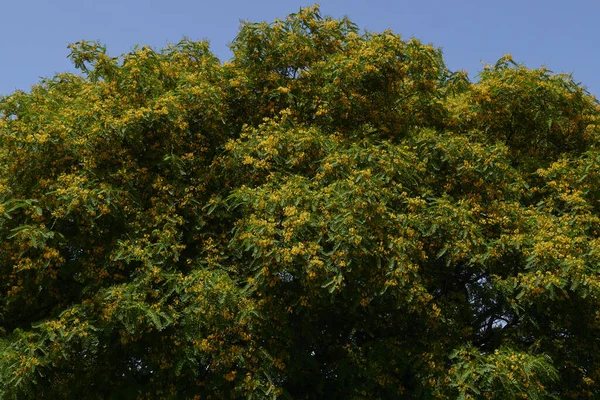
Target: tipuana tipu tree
(329, 214)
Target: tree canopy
(330, 214)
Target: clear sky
(562, 35)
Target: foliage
(330, 214)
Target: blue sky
(561, 35)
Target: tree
(330, 214)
